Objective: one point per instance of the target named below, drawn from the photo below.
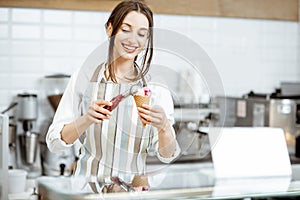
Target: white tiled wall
(248, 54)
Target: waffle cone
(140, 100)
(140, 181)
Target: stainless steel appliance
(28, 151)
(285, 113)
(270, 110)
(191, 123)
(55, 164)
(275, 112)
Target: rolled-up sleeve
(173, 157)
(66, 113)
(161, 96)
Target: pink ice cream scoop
(117, 99)
(144, 92)
(147, 91)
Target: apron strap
(96, 73)
(93, 79)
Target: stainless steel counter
(180, 181)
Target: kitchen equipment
(280, 112)
(27, 108)
(29, 142)
(28, 149)
(55, 164)
(190, 120)
(12, 136)
(55, 85)
(11, 106)
(290, 88)
(3, 156)
(269, 110)
(12, 145)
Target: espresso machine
(28, 151)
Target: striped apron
(118, 146)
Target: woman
(114, 144)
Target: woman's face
(132, 36)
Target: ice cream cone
(140, 100)
(139, 181)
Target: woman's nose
(132, 37)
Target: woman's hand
(154, 115)
(97, 113)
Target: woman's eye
(142, 34)
(125, 30)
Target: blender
(55, 164)
(27, 144)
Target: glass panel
(182, 181)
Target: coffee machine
(55, 164)
(28, 151)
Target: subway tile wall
(248, 54)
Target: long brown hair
(115, 19)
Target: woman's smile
(129, 48)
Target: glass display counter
(180, 181)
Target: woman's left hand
(154, 115)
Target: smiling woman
(130, 30)
(129, 41)
(115, 142)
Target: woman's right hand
(97, 113)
